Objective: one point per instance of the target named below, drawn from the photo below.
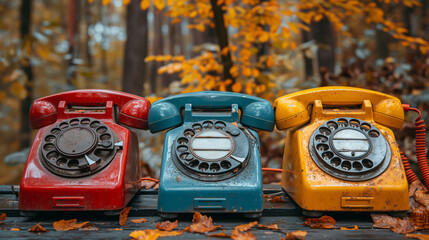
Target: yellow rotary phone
(340, 154)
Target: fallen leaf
(272, 226)
(353, 228)
(418, 236)
(167, 225)
(89, 227)
(219, 235)
(2, 218)
(278, 199)
(37, 228)
(245, 227)
(295, 235)
(396, 224)
(115, 229)
(147, 184)
(201, 224)
(123, 216)
(152, 234)
(14, 229)
(324, 222)
(239, 232)
(139, 220)
(236, 235)
(64, 225)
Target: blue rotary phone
(211, 160)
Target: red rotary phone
(82, 158)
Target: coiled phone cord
(420, 144)
(411, 176)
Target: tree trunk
(222, 37)
(158, 49)
(25, 13)
(135, 49)
(73, 19)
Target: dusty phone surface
(83, 158)
(340, 153)
(211, 159)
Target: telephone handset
(167, 113)
(211, 160)
(340, 154)
(81, 158)
(133, 110)
(293, 109)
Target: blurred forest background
(156, 48)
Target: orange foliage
(123, 216)
(37, 228)
(167, 225)
(325, 222)
(201, 224)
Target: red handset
(133, 110)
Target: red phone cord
(420, 144)
(411, 176)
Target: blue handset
(256, 112)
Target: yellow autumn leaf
(270, 61)
(193, 14)
(293, 27)
(18, 89)
(187, 79)
(236, 87)
(200, 27)
(144, 4)
(255, 72)
(126, 2)
(263, 37)
(149, 58)
(225, 51)
(234, 71)
(318, 17)
(159, 4)
(247, 72)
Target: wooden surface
(286, 215)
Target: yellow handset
(293, 109)
(340, 154)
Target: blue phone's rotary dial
(211, 150)
(350, 149)
(78, 147)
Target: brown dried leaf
(115, 229)
(147, 184)
(152, 234)
(201, 224)
(64, 225)
(278, 199)
(167, 225)
(295, 235)
(272, 226)
(219, 235)
(353, 228)
(396, 224)
(37, 228)
(80, 225)
(139, 220)
(2, 218)
(418, 236)
(324, 222)
(245, 227)
(89, 227)
(236, 235)
(123, 216)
